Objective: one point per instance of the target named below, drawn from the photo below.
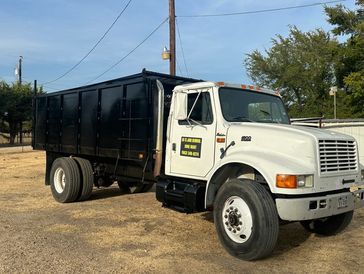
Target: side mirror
(180, 106)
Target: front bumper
(299, 209)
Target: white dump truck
(207, 146)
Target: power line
(54, 87)
(130, 52)
(50, 88)
(183, 52)
(179, 68)
(261, 11)
(92, 49)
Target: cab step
(182, 196)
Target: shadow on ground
(290, 236)
(109, 192)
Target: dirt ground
(112, 232)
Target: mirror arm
(197, 123)
(188, 121)
(194, 103)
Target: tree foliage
(15, 106)
(301, 67)
(304, 65)
(350, 68)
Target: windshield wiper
(241, 119)
(266, 112)
(270, 116)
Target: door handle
(174, 146)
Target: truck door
(192, 141)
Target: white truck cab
(254, 168)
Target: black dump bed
(113, 119)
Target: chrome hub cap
(59, 180)
(237, 218)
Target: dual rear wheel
(71, 179)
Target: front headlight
(305, 181)
(294, 181)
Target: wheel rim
(237, 219)
(59, 180)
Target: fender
(268, 164)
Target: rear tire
(87, 178)
(329, 226)
(65, 180)
(246, 219)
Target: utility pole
(335, 105)
(172, 38)
(20, 69)
(33, 107)
(333, 91)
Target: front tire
(329, 226)
(65, 180)
(246, 219)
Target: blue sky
(53, 35)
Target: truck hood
(282, 129)
(286, 149)
(296, 142)
(272, 131)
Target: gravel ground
(112, 232)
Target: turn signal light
(220, 140)
(286, 181)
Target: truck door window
(202, 110)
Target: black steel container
(112, 123)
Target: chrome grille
(337, 155)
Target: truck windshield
(248, 106)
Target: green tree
(301, 67)
(15, 106)
(4, 89)
(350, 65)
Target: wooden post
(172, 38)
